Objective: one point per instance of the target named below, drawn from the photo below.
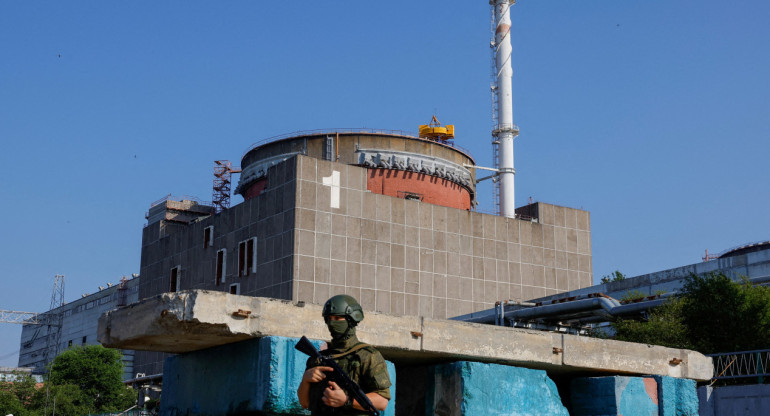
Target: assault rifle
(338, 376)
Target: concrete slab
(194, 320)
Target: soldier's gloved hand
(316, 374)
(334, 396)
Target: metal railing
(731, 365)
(365, 130)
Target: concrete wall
(258, 375)
(411, 258)
(753, 399)
(394, 255)
(268, 217)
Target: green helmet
(344, 305)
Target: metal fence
(734, 365)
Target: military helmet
(344, 305)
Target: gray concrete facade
(314, 239)
(79, 327)
(753, 265)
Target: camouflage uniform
(365, 366)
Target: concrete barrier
(605, 396)
(677, 396)
(468, 388)
(198, 319)
(253, 376)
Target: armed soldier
(362, 362)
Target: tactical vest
(357, 362)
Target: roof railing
(365, 130)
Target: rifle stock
(338, 375)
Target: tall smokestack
(505, 131)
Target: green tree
(711, 314)
(16, 394)
(96, 373)
(724, 316)
(10, 404)
(615, 276)
(664, 326)
(63, 400)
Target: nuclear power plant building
(382, 216)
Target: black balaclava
(343, 334)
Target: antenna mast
(55, 323)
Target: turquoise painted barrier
(469, 388)
(605, 396)
(677, 396)
(258, 375)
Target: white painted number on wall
(333, 182)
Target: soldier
(362, 362)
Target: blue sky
(651, 115)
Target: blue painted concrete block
(470, 388)
(257, 375)
(605, 396)
(677, 397)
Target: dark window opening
(84, 340)
(243, 270)
(220, 271)
(174, 280)
(251, 256)
(208, 233)
(235, 289)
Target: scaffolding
(223, 171)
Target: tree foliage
(664, 326)
(615, 276)
(16, 394)
(724, 316)
(83, 380)
(711, 314)
(96, 372)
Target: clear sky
(651, 115)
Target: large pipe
(505, 131)
(582, 310)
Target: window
(235, 289)
(84, 341)
(247, 257)
(219, 277)
(176, 279)
(208, 236)
(69, 344)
